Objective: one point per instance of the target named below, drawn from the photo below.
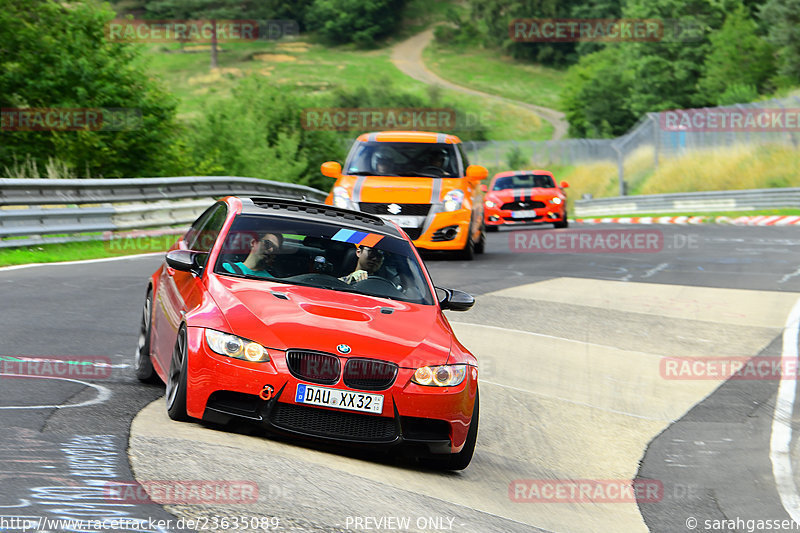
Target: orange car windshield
(434, 160)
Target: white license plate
(340, 399)
(403, 222)
(523, 214)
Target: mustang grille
(529, 204)
(314, 367)
(405, 209)
(369, 374)
(326, 423)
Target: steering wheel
(379, 279)
(431, 168)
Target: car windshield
(323, 255)
(435, 160)
(525, 181)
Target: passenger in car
(263, 248)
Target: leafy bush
(257, 133)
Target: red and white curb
(762, 220)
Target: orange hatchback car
(419, 180)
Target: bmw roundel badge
(343, 349)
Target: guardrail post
(620, 170)
(656, 138)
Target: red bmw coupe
(313, 321)
(525, 197)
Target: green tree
(738, 56)
(354, 21)
(56, 56)
(595, 95)
(257, 133)
(782, 18)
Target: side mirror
(454, 300)
(484, 188)
(476, 173)
(332, 169)
(187, 260)
(564, 184)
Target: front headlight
(489, 203)
(341, 197)
(453, 200)
(556, 200)
(440, 376)
(236, 347)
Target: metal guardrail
(125, 204)
(91, 191)
(744, 200)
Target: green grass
(485, 70)
(76, 251)
(315, 69)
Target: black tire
(480, 246)
(176, 379)
(560, 225)
(460, 460)
(492, 229)
(142, 365)
(468, 252)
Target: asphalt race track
(576, 391)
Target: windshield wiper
(423, 175)
(368, 173)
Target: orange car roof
(409, 137)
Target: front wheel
(480, 246)
(468, 252)
(460, 460)
(559, 225)
(142, 365)
(176, 379)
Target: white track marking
(781, 439)
(103, 394)
(81, 262)
(656, 270)
(75, 359)
(787, 277)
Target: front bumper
(504, 217)
(220, 389)
(437, 229)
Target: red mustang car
(313, 321)
(525, 197)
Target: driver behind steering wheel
(369, 261)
